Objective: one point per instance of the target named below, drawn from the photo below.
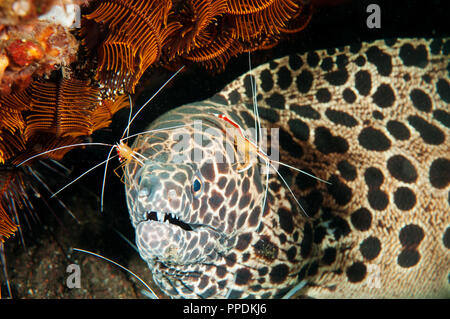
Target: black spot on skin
(349, 96)
(230, 259)
(245, 185)
(373, 177)
(284, 78)
(264, 248)
(338, 77)
(285, 219)
(381, 60)
(408, 258)
(243, 241)
(218, 98)
(215, 200)
(443, 117)
(414, 56)
(329, 256)
(234, 198)
(319, 234)
(347, 170)
(248, 80)
(211, 291)
(235, 97)
(266, 80)
(360, 61)
(263, 271)
(406, 77)
(254, 216)
(276, 101)
(307, 241)
(440, 173)
(288, 144)
(305, 111)
(398, 130)
(443, 89)
(446, 238)
(411, 235)
(282, 238)
(268, 114)
(295, 62)
(241, 220)
(248, 119)
(326, 143)
(235, 294)
(304, 81)
(436, 46)
(313, 269)
(313, 201)
(404, 198)
(341, 61)
(356, 272)
(273, 65)
(341, 193)
(244, 201)
(374, 140)
(363, 82)
(420, 100)
(302, 273)
(426, 78)
(341, 118)
(384, 96)
(305, 182)
(323, 95)
(429, 133)
(327, 64)
(221, 271)
(203, 282)
(230, 188)
(207, 171)
(291, 254)
(402, 169)
(378, 199)
(243, 275)
(312, 59)
(370, 247)
(340, 226)
(279, 274)
(300, 129)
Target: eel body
(371, 119)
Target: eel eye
(197, 187)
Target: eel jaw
(171, 219)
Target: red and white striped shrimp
(124, 152)
(253, 145)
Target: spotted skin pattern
(372, 119)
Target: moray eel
(372, 119)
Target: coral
(31, 50)
(208, 32)
(46, 101)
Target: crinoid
(210, 32)
(135, 40)
(47, 115)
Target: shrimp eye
(197, 186)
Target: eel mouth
(169, 218)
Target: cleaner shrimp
(254, 146)
(125, 153)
